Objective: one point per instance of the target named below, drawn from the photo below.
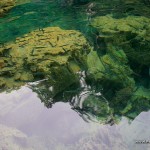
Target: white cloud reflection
(25, 124)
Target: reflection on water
(101, 108)
(89, 102)
(25, 124)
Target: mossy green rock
(130, 34)
(50, 53)
(111, 68)
(126, 43)
(6, 5)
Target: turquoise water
(43, 13)
(31, 120)
(36, 15)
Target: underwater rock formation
(121, 65)
(111, 68)
(6, 5)
(131, 103)
(50, 53)
(130, 34)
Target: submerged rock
(111, 69)
(130, 34)
(50, 53)
(6, 5)
(141, 97)
(131, 103)
(122, 64)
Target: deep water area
(74, 75)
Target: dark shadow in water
(89, 101)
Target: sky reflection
(26, 124)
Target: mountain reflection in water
(25, 124)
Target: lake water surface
(27, 124)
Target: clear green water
(30, 120)
(27, 17)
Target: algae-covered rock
(111, 68)
(125, 53)
(130, 102)
(130, 34)
(47, 53)
(120, 8)
(124, 95)
(141, 97)
(6, 5)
